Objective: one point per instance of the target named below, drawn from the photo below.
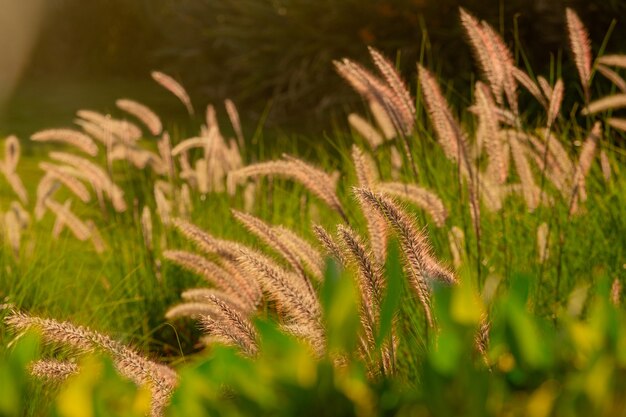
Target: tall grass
(431, 202)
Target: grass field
(477, 269)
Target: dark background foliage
(281, 50)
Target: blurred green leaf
(341, 315)
(99, 390)
(393, 293)
(14, 374)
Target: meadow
(424, 260)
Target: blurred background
(269, 56)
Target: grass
(126, 290)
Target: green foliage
(14, 376)
(567, 366)
(99, 391)
(340, 306)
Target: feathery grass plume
(187, 144)
(397, 85)
(382, 119)
(546, 88)
(202, 294)
(605, 165)
(555, 102)
(164, 145)
(365, 167)
(492, 194)
(450, 135)
(507, 62)
(123, 130)
(249, 194)
(416, 280)
(161, 379)
(482, 338)
(617, 123)
(13, 231)
(12, 152)
(542, 242)
(229, 253)
(313, 179)
(52, 370)
(313, 171)
(550, 169)
(78, 228)
(489, 127)
(456, 239)
(96, 237)
(265, 232)
(173, 87)
(166, 187)
(163, 206)
(372, 285)
(23, 218)
(422, 268)
(475, 212)
(143, 113)
(581, 48)
(399, 109)
(185, 206)
(396, 162)
(309, 334)
(140, 158)
(96, 132)
(372, 88)
(612, 76)
(427, 200)
(59, 222)
(416, 244)
(616, 292)
(331, 247)
(202, 176)
(16, 185)
(96, 175)
(296, 302)
(303, 250)
(219, 159)
(193, 310)
(555, 147)
(366, 130)
(530, 190)
(46, 187)
(529, 85)
(146, 227)
(612, 102)
(503, 116)
(68, 136)
(587, 154)
(62, 175)
(208, 270)
(235, 121)
(486, 52)
(11, 158)
(370, 282)
(205, 242)
(232, 325)
(613, 60)
(210, 116)
(367, 176)
(246, 283)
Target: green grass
(126, 290)
(121, 293)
